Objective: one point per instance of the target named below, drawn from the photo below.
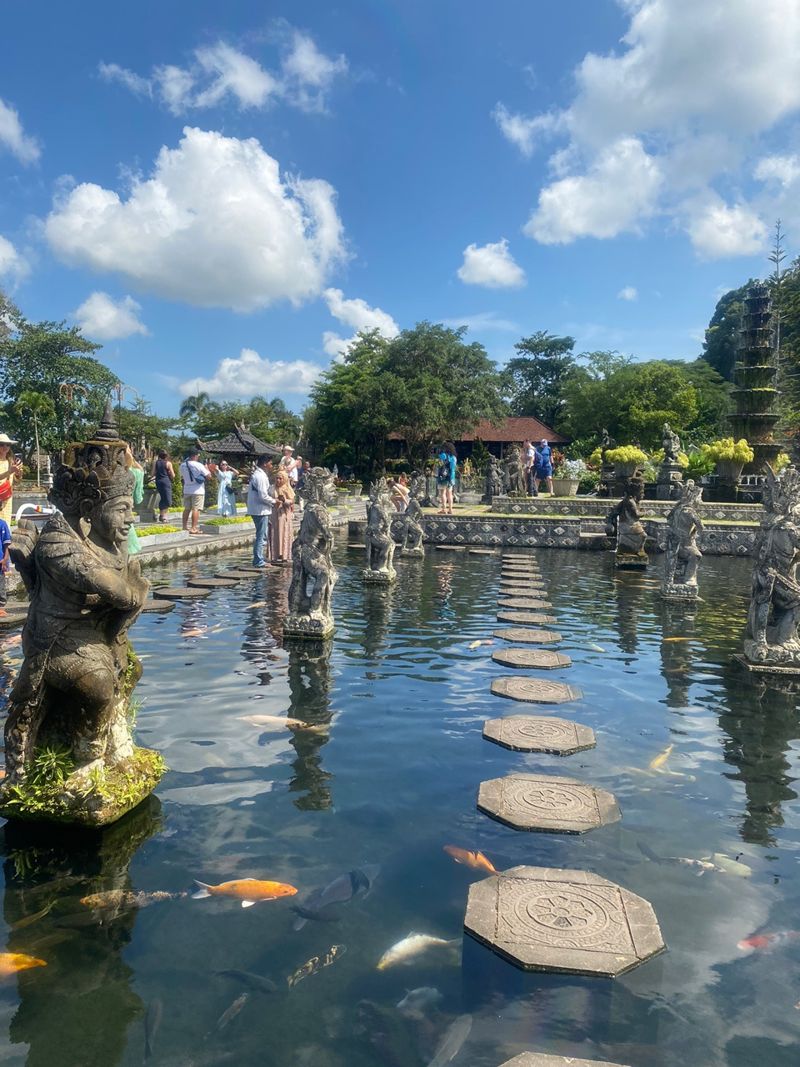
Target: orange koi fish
(13, 962)
(476, 860)
(248, 890)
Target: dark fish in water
(317, 905)
(454, 1037)
(315, 964)
(256, 982)
(124, 898)
(329, 914)
(29, 920)
(232, 1011)
(152, 1021)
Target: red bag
(6, 491)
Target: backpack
(443, 473)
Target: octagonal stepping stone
(519, 555)
(520, 568)
(535, 690)
(211, 583)
(522, 602)
(519, 587)
(450, 548)
(526, 616)
(543, 658)
(158, 605)
(234, 576)
(547, 804)
(14, 618)
(528, 636)
(245, 572)
(482, 552)
(535, 733)
(541, 1059)
(564, 921)
(179, 592)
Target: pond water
(389, 777)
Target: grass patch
(228, 521)
(151, 531)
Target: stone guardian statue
(413, 530)
(771, 639)
(313, 574)
(70, 756)
(624, 520)
(379, 542)
(682, 554)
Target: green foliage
(626, 454)
(533, 379)
(726, 449)
(722, 336)
(589, 482)
(480, 455)
(699, 465)
(269, 420)
(151, 531)
(227, 521)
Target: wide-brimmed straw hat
(289, 447)
(6, 440)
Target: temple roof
(240, 443)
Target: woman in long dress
(163, 473)
(10, 471)
(226, 498)
(282, 526)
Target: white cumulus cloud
(359, 316)
(492, 266)
(215, 225)
(628, 292)
(102, 318)
(13, 265)
(698, 87)
(219, 73)
(13, 136)
(618, 191)
(249, 374)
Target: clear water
(392, 778)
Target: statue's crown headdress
(318, 484)
(93, 471)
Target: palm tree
(38, 406)
(192, 406)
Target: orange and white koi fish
(14, 962)
(278, 722)
(476, 860)
(658, 761)
(768, 941)
(249, 890)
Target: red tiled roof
(514, 429)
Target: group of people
(271, 496)
(538, 466)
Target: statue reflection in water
(677, 650)
(309, 688)
(76, 1010)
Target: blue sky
(223, 195)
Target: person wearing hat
(288, 463)
(10, 471)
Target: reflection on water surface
(386, 776)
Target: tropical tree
(534, 378)
(192, 407)
(722, 336)
(40, 408)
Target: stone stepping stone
(528, 556)
(520, 568)
(526, 616)
(179, 592)
(518, 586)
(234, 576)
(535, 690)
(535, 733)
(564, 921)
(450, 548)
(211, 583)
(528, 636)
(543, 658)
(13, 619)
(522, 602)
(158, 605)
(541, 1059)
(245, 572)
(354, 544)
(546, 803)
(482, 552)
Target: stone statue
(771, 638)
(379, 543)
(624, 520)
(682, 554)
(515, 474)
(493, 485)
(70, 756)
(313, 574)
(671, 444)
(607, 442)
(413, 530)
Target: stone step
(546, 803)
(541, 658)
(537, 733)
(535, 690)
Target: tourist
(401, 493)
(543, 467)
(260, 502)
(281, 528)
(5, 564)
(137, 472)
(529, 456)
(10, 471)
(288, 463)
(446, 478)
(194, 476)
(226, 497)
(163, 474)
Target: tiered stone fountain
(755, 393)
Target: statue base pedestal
(111, 793)
(308, 626)
(413, 552)
(379, 577)
(685, 593)
(630, 561)
(670, 477)
(783, 671)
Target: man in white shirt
(259, 507)
(193, 475)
